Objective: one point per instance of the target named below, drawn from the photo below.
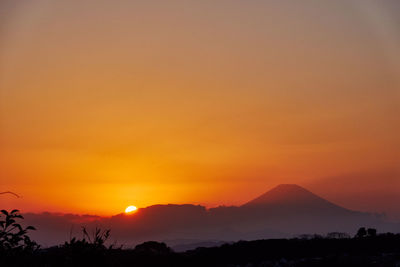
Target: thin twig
(9, 192)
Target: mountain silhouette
(284, 211)
(286, 194)
(293, 199)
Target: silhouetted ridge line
(284, 211)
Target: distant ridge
(286, 210)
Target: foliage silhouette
(361, 233)
(13, 237)
(94, 241)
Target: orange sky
(104, 104)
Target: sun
(130, 209)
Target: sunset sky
(105, 104)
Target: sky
(105, 104)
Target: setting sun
(130, 209)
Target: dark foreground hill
(283, 212)
(381, 250)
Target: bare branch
(11, 193)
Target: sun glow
(130, 209)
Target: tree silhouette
(361, 232)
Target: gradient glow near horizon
(107, 103)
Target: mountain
(292, 209)
(286, 194)
(293, 199)
(284, 211)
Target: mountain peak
(288, 194)
(289, 187)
